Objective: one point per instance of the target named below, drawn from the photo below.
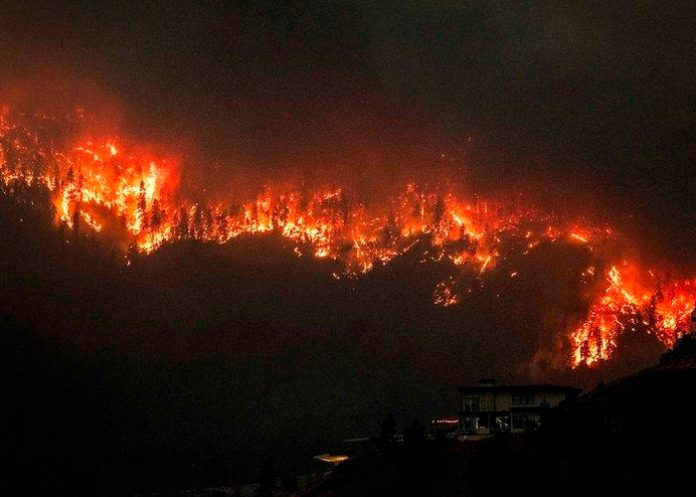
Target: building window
(525, 421)
(471, 403)
(523, 400)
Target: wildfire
(102, 187)
(662, 308)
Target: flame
(580, 236)
(631, 300)
(102, 186)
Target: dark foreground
(632, 436)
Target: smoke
(124, 194)
(549, 106)
(576, 114)
(583, 102)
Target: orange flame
(627, 303)
(102, 185)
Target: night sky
(240, 352)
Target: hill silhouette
(631, 436)
(202, 361)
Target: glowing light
(102, 186)
(625, 303)
(580, 237)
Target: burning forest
(110, 189)
(238, 235)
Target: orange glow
(579, 236)
(103, 186)
(627, 302)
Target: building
(489, 408)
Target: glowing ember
(100, 186)
(444, 295)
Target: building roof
(568, 390)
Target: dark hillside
(629, 437)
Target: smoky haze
(584, 107)
(583, 100)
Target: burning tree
(102, 186)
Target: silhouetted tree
(198, 222)
(156, 216)
(388, 429)
(209, 223)
(183, 227)
(76, 223)
(439, 209)
(418, 211)
(391, 231)
(221, 225)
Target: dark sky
(583, 95)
